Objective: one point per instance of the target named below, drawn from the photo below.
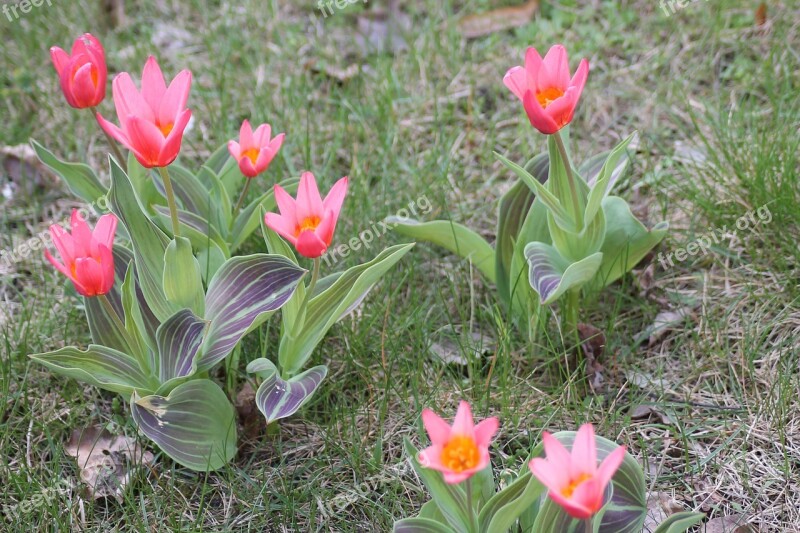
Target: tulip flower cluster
(559, 228)
(177, 300)
(583, 483)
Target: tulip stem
(114, 148)
(589, 528)
(173, 209)
(573, 189)
(470, 508)
(241, 197)
(314, 278)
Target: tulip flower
(574, 480)
(460, 450)
(547, 93)
(255, 150)
(83, 72)
(85, 254)
(309, 222)
(152, 121)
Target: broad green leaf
(277, 398)
(542, 192)
(190, 193)
(291, 312)
(183, 282)
(626, 241)
(179, 340)
(431, 511)
(248, 220)
(143, 183)
(195, 228)
(195, 425)
(420, 525)
(551, 275)
(591, 168)
(625, 508)
(680, 522)
(211, 258)
(577, 246)
(452, 236)
(218, 159)
(139, 319)
(559, 184)
(604, 182)
(330, 306)
(525, 302)
(262, 367)
(231, 177)
(149, 242)
(451, 499)
(80, 178)
(240, 297)
(100, 366)
(503, 510)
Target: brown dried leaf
(253, 422)
(505, 18)
(761, 14)
(453, 347)
(106, 461)
(593, 344)
(644, 412)
(728, 524)
(663, 323)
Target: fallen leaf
(505, 18)
(728, 524)
(593, 344)
(106, 461)
(660, 505)
(663, 323)
(453, 347)
(342, 75)
(644, 412)
(761, 14)
(646, 279)
(253, 422)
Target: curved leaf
(183, 282)
(80, 178)
(551, 275)
(502, 511)
(194, 227)
(179, 340)
(278, 399)
(679, 522)
(195, 425)
(605, 180)
(420, 525)
(248, 220)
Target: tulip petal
(572, 508)
(63, 242)
(463, 423)
(539, 119)
(246, 135)
(83, 88)
(53, 261)
(309, 202)
(81, 235)
(562, 109)
(438, 430)
(104, 230)
(584, 452)
(282, 226)
(552, 476)
(247, 168)
(485, 431)
(335, 198)
(516, 79)
(327, 227)
(609, 466)
(172, 145)
(89, 274)
(153, 85)
(128, 101)
(286, 205)
(146, 138)
(556, 68)
(107, 266)
(588, 495)
(579, 80)
(234, 149)
(431, 457)
(533, 64)
(113, 130)
(261, 135)
(310, 245)
(556, 453)
(60, 59)
(173, 102)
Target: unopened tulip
(255, 150)
(83, 72)
(460, 450)
(545, 88)
(574, 480)
(86, 255)
(308, 222)
(152, 121)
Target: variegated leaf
(551, 275)
(277, 398)
(179, 341)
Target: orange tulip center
(569, 489)
(547, 96)
(460, 454)
(252, 154)
(309, 224)
(166, 128)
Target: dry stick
(114, 148)
(173, 209)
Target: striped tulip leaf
(680, 522)
(100, 366)
(194, 227)
(179, 340)
(183, 280)
(195, 424)
(421, 525)
(551, 275)
(277, 398)
(240, 296)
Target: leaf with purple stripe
(239, 298)
(551, 275)
(195, 425)
(278, 399)
(179, 340)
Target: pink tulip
(309, 222)
(86, 254)
(546, 91)
(574, 481)
(83, 73)
(460, 450)
(153, 121)
(255, 150)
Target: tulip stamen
(166, 128)
(309, 224)
(251, 154)
(460, 454)
(570, 489)
(548, 96)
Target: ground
(713, 94)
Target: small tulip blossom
(574, 481)
(547, 93)
(152, 121)
(255, 150)
(86, 255)
(308, 223)
(460, 450)
(82, 73)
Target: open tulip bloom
(82, 72)
(255, 149)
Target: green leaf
(183, 282)
(195, 425)
(143, 184)
(336, 302)
(195, 228)
(450, 499)
(551, 275)
(80, 178)
(680, 522)
(626, 241)
(293, 311)
(559, 184)
(577, 246)
(179, 340)
(431, 511)
(502, 511)
(420, 525)
(604, 182)
(591, 168)
(100, 366)
(452, 236)
(190, 193)
(277, 398)
(139, 319)
(211, 258)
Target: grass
(424, 122)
